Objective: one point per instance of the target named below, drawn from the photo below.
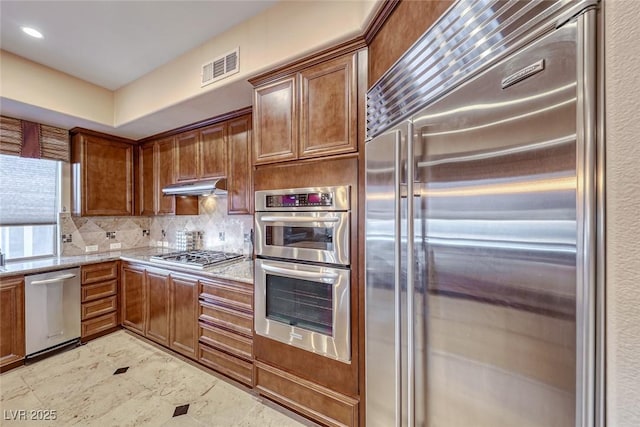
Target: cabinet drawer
(238, 369)
(99, 307)
(322, 404)
(99, 324)
(236, 297)
(226, 318)
(99, 272)
(99, 290)
(232, 343)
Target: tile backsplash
(80, 232)
(221, 231)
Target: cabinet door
(165, 175)
(239, 180)
(133, 300)
(107, 177)
(184, 316)
(213, 151)
(275, 122)
(12, 346)
(187, 156)
(157, 324)
(146, 181)
(328, 108)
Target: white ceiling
(112, 43)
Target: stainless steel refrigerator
(479, 233)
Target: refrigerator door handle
(410, 280)
(397, 291)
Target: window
(29, 194)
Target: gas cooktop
(199, 259)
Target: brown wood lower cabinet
(12, 338)
(184, 314)
(162, 306)
(133, 298)
(317, 402)
(99, 297)
(234, 367)
(157, 302)
(99, 325)
(226, 329)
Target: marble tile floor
(81, 387)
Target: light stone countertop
(241, 271)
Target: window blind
(28, 191)
(52, 143)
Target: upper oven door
(309, 236)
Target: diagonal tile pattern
(134, 232)
(181, 410)
(80, 386)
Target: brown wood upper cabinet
(156, 169)
(102, 175)
(239, 178)
(225, 150)
(201, 154)
(275, 121)
(309, 114)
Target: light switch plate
(115, 246)
(91, 248)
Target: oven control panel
(299, 200)
(336, 198)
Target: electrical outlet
(221, 236)
(115, 246)
(91, 248)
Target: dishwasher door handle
(54, 280)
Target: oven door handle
(298, 219)
(323, 277)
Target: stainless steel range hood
(208, 187)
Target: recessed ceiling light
(32, 32)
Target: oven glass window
(300, 303)
(320, 238)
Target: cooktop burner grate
(197, 258)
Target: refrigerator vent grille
(470, 37)
(221, 67)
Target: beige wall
(287, 30)
(34, 84)
(622, 69)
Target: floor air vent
(221, 67)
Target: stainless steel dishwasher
(52, 312)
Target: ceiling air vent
(221, 67)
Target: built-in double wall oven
(302, 269)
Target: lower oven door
(307, 306)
